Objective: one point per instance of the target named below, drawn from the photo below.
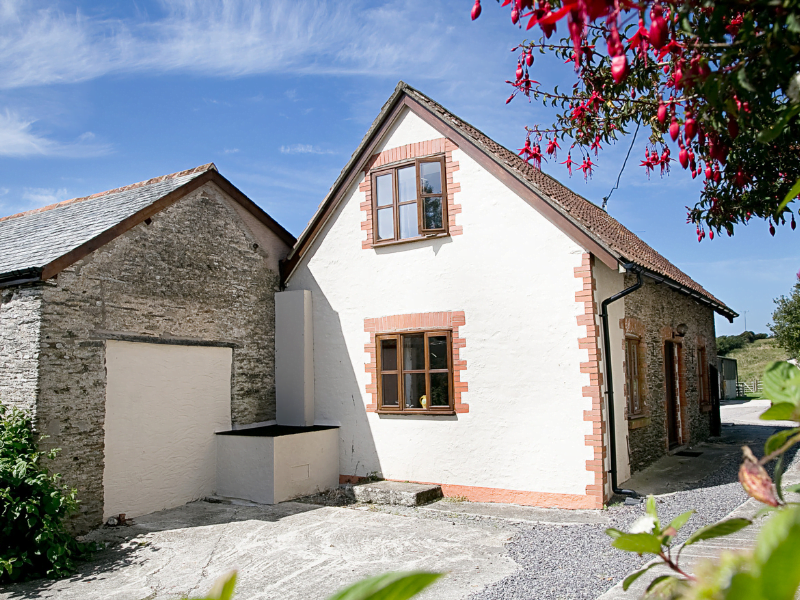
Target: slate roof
(601, 227)
(33, 239)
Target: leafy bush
(727, 343)
(33, 506)
(786, 321)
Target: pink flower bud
(733, 127)
(619, 68)
(690, 127)
(683, 158)
(476, 10)
(674, 129)
(658, 27)
(662, 112)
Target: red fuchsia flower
(529, 58)
(614, 42)
(677, 76)
(553, 147)
(717, 175)
(662, 112)
(683, 158)
(575, 25)
(658, 27)
(690, 127)
(733, 127)
(579, 113)
(594, 101)
(741, 179)
(735, 24)
(596, 145)
(793, 227)
(535, 156)
(639, 42)
(650, 161)
(664, 161)
(476, 10)
(519, 72)
(586, 167)
(569, 162)
(525, 151)
(674, 129)
(619, 68)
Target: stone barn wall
(194, 273)
(652, 313)
(20, 319)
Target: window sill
(420, 238)
(638, 421)
(706, 408)
(427, 413)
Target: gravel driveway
(578, 562)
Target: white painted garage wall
(163, 405)
(511, 272)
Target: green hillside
(753, 358)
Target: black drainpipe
(609, 381)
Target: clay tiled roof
(33, 239)
(604, 228)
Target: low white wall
(246, 468)
(511, 272)
(163, 405)
(306, 463)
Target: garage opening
(164, 404)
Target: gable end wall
(20, 320)
(193, 273)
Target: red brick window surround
(585, 297)
(634, 352)
(401, 154)
(418, 322)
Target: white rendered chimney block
(294, 358)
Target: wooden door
(671, 393)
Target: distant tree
(786, 321)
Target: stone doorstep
(397, 493)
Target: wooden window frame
(422, 232)
(401, 409)
(635, 343)
(703, 383)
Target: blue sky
(278, 94)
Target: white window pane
(386, 223)
(383, 183)
(407, 183)
(430, 174)
(408, 221)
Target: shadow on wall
(339, 399)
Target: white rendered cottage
(455, 298)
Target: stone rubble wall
(20, 319)
(662, 309)
(194, 272)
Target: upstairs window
(409, 200)
(415, 373)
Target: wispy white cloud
(304, 149)
(230, 151)
(18, 138)
(36, 197)
(229, 38)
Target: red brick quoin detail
(408, 152)
(411, 322)
(596, 490)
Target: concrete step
(397, 493)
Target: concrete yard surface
(285, 551)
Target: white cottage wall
(512, 273)
(609, 282)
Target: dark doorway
(671, 390)
(716, 420)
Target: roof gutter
(609, 380)
(20, 276)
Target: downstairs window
(415, 373)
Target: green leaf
(664, 587)
(223, 587)
(681, 520)
(650, 507)
(778, 555)
(716, 530)
(781, 411)
(743, 586)
(782, 381)
(638, 542)
(779, 439)
(793, 23)
(791, 195)
(778, 475)
(634, 576)
(777, 128)
(614, 533)
(390, 586)
(792, 488)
